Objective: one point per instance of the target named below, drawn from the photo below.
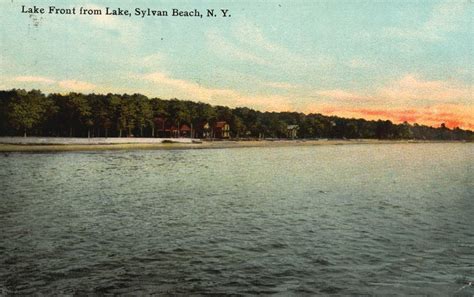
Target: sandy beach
(34, 144)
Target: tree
(101, 114)
(27, 110)
(76, 114)
(116, 109)
(238, 126)
(159, 114)
(179, 112)
(5, 99)
(143, 116)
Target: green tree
(143, 116)
(27, 110)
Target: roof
(185, 128)
(221, 124)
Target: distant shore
(44, 144)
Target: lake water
(389, 219)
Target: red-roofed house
(185, 130)
(222, 130)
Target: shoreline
(176, 144)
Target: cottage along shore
(52, 144)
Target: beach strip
(21, 144)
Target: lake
(383, 219)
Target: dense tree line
(33, 113)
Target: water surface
(346, 220)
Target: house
(218, 130)
(206, 130)
(291, 131)
(174, 131)
(185, 131)
(221, 130)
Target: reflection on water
(362, 219)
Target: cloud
(68, 85)
(450, 114)
(192, 88)
(248, 43)
(411, 88)
(453, 115)
(338, 94)
(253, 37)
(445, 18)
(76, 85)
(280, 85)
(34, 79)
(128, 31)
(409, 98)
(152, 59)
(223, 47)
(250, 34)
(358, 63)
(219, 96)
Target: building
(185, 131)
(219, 130)
(206, 131)
(167, 129)
(222, 130)
(291, 131)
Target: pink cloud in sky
(452, 115)
(410, 98)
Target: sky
(398, 60)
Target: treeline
(33, 113)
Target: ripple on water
(280, 221)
